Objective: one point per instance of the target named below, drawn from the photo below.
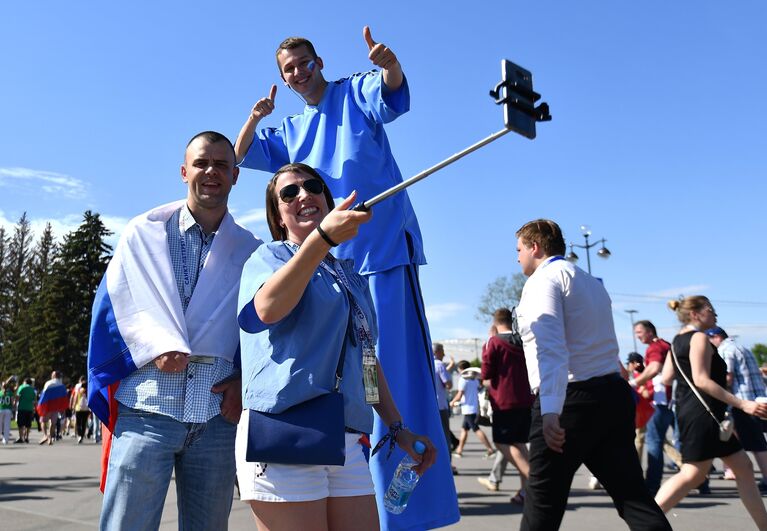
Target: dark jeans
(659, 423)
(81, 422)
(598, 419)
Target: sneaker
(518, 498)
(704, 488)
(490, 453)
(594, 483)
(43, 441)
(79, 440)
(457, 455)
(489, 485)
(18, 441)
(455, 471)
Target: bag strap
(349, 334)
(692, 387)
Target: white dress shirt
(565, 318)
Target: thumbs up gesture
(379, 54)
(264, 106)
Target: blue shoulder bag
(309, 433)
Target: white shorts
(297, 483)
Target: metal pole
(588, 252)
(633, 335)
(366, 205)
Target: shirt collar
(186, 221)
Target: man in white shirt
(583, 411)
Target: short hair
(545, 233)
(463, 365)
(683, 307)
(213, 137)
(648, 325)
(28, 380)
(503, 316)
(294, 42)
(438, 347)
(272, 206)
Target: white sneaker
(594, 483)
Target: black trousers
(598, 419)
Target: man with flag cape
(53, 400)
(163, 367)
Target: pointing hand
(379, 54)
(264, 106)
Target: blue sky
(657, 142)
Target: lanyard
(361, 325)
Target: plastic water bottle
(404, 481)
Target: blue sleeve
(258, 269)
(268, 151)
(376, 101)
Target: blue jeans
(659, 423)
(146, 448)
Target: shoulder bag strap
(692, 386)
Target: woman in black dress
(698, 431)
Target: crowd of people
(66, 416)
(684, 395)
(301, 367)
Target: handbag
(309, 433)
(725, 426)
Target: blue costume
(343, 138)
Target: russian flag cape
(137, 312)
(54, 398)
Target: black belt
(595, 381)
(352, 430)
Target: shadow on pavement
(41, 488)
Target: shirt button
(190, 376)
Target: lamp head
(571, 256)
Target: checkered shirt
(184, 396)
(747, 382)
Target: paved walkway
(45, 487)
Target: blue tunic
(343, 138)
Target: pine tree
(5, 295)
(61, 341)
(27, 322)
(18, 285)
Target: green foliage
(49, 309)
(760, 353)
(503, 292)
(476, 362)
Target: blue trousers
(659, 423)
(146, 448)
(404, 350)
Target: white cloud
(50, 182)
(692, 289)
(253, 217)
(440, 312)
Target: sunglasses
(290, 192)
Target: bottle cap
(419, 447)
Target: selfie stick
(515, 93)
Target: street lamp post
(602, 252)
(633, 336)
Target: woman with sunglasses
(699, 433)
(295, 304)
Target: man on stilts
(340, 133)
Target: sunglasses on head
(290, 192)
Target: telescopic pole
(366, 205)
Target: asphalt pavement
(56, 487)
